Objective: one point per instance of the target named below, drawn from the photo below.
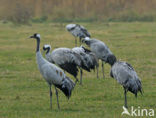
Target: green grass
(24, 93)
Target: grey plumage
(100, 49)
(125, 75)
(93, 60)
(53, 74)
(77, 31)
(89, 60)
(64, 58)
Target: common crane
(93, 58)
(125, 75)
(65, 58)
(77, 31)
(53, 74)
(88, 59)
(100, 49)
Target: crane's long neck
(48, 55)
(38, 45)
(39, 57)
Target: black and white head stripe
(47, 46)
(38, 35)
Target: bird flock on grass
(60, 60)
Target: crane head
(86, 39)
(36, 36)
(111, 59)
(69, 27)
(47, 48)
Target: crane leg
(81, 76)
(97, 68)
(50, 96)
(75, 42)
(103, 70)
(125, 93)
(57, 98)
(80, 41)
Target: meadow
(25, 94)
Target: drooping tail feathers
(134, 86)
(70, 67)
(93, 59)
(85, 64)
(66, 87)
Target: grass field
(25, 94)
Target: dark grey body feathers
(66, 86)
(66, 59)
(100, 49)
(126, 76)
(89, 60)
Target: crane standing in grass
(77, 31)
(52, 74)
(88, 59)
(100, 49)
(125, 75)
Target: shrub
(21, 15)
(40, 20)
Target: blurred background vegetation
(26, 11)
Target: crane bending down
(93, 59)
(65, 58)
(88, 58)
(125, 75)
(100, 49)
(53, 74)
(77, 31)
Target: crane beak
(31, 37)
